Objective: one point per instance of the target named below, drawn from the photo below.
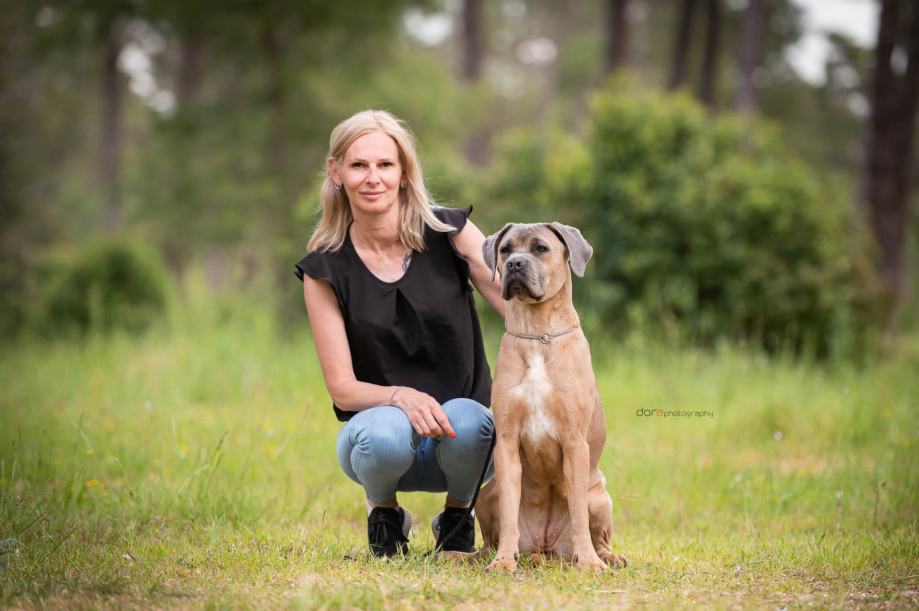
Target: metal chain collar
(546, 337)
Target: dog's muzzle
(520, 280)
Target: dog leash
(546, 337)
(475, 497)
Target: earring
(402, 185)
(338, 186)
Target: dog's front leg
(576, 465)
(507, 476)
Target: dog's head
(533, 258)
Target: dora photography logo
(665, 413)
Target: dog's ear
(579, 251)
(490, 249)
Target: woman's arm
(347, 392)
(468, 243)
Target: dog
(548, 496)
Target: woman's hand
(428, 418)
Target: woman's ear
(332, 169)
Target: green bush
(107, 285)
(703, 226)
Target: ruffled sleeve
(315, 266)
(456, 217)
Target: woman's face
(370, 173)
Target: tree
(472, 41)
(750, 54)
(112, 89)
(709, 73)
(891, 129)
(617, 34)
(99, 25)
(106, 19)
(475, 146)
(681, 44)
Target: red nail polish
(452, 435)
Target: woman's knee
(382, 437)
(470, 419)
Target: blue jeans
(379, 449)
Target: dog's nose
(515, 265)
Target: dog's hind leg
(600, 509)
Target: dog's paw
(502, 564)
(589, 562)
(614, 561)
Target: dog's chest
(532, 395)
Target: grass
(195, 467)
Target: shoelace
(380, 526)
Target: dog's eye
(541, 248)
(505, 250)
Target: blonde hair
(416, 206)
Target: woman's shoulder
(320, 264)
(455, 217)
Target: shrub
(703, 227)
(105, 285)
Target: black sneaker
(387, 530)
(463, 540)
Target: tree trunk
(476, 145)
(277, 103)
(110, 166)
(708, 78)
(895, 93)
(617, 35)
(472, 40)
(189, 76)
(681, 46)
(750, 55)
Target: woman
(386, 285)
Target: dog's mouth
(515, 286)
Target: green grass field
(195, 467)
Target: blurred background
(742, 167)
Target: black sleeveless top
(420, 331)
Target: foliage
(706, 226)
(105, 285)
(226, 112)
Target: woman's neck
(379, 233)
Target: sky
(856, 18)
